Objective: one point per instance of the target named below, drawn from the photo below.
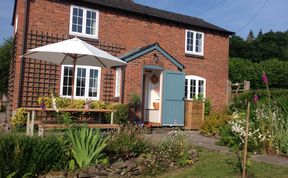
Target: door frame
(151, 67)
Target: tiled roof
(130, 6)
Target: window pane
(201, 87)
(67, 81)
(199, 42)
(186, 88)
(90, 23)
(77, 20)
(93, 83)
(88, 14)
(81, 82)
(192, 88)
(189, 42)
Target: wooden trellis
(12, 72)
(39, 77)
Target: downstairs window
(86, 82)
(195, 87)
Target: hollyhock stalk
(266, 82)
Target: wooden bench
(31, 114)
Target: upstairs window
(84, 22)
(194, 42)
(195, 87)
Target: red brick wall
(13, 96)
(133, 31)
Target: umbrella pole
(73, 76)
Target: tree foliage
(243, 69)
(5, 55)
(263, 47)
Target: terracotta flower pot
(156, 105)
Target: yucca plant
(86, 146)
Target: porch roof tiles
(136, 53)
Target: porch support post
(123, 84)
(28, 127)
(74, 57)
(112, 117)
(32, 123)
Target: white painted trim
(62, 80)
(118, 78)
(194, 43)
(197, 78)
(87, 82)
(83, 34)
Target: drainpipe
(22, 53)
(123, 84)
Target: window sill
(94, 37)
(195, 55)
(80, 98)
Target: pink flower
(265, 78)
(255, 98)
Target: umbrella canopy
(74, 50)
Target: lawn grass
(219, 165)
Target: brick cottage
(169, 56)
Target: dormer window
(84, 22)
(194, 43)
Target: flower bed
(268, 125)
(87, 152)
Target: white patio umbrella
(74, 52)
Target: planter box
(194, 114)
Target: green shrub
(121, 114)
(213, 123)
(87, 146)
(19, 118)
(208, 107)
(127, 143)
(227, 137)
(22, 155)
(62, 102)
(171, 150)
(98, 105)
(240, 101)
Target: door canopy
(144, 50)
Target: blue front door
(173, 98)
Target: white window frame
(197, 78)
(84, 22)
(118, 78)
(86, 82)
(194, 43)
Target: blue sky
(239, 16)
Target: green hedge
(243, 69)
(240, 100)
(22, 155)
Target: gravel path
(209, 143)
(2, 116)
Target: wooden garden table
(31, 113)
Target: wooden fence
(235, 89)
